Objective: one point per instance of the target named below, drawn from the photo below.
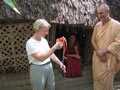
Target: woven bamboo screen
(13, 37)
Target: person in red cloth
(73, 59)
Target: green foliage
(12, 2)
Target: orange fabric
(63, 39)
(108, 36)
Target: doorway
(66, 31)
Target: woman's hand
(78, 57)
(74, 55)
(58, 45)
(63, 67)
(64, 57)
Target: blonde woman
(40, 56)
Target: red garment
(73, 64)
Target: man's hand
(103, 58)
(101, 54)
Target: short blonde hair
(40, 24)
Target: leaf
(12, 5)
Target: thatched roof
(55, 11)
(115, 8)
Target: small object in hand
(63, 40)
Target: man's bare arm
(100, 53)
(93, 40)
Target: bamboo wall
(13, 38)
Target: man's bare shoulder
(97, 24)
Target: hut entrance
(66, 31)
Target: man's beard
(103, 19)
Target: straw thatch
(115, 8)
(55, 11)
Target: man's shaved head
(105, 6)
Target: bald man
(106, 44)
